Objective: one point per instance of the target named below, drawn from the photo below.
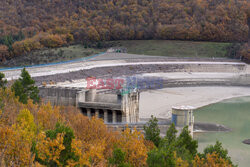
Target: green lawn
(175, 48)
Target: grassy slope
(146, 47)
(176, 48)
(53, 55)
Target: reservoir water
(234, 114)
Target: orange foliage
(50, 149)
(212, 160)
(10, 107)
(133, 145)
(25, 46)
(52, 40)
(16, 141)
(97, 141)
(48, 116)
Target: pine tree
(25, 88)
(171, 135)
(152, 131)
(185, 140)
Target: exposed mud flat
(247, 141)
(160, 102)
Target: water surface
(235, 114)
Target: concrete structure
(183, 116)
(118, 107)
(59, 95)
(113, 107)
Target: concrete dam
(118, 109)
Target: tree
(174, 151)
(25, 88)
(218, 150)
(48, 116)
(161, 157)
(57, 146)
(132, 143)
(211, 160)
(17, 148)
(152, 131)
(171, 135)
(48, 150)
(93, 35)
(118, 158)
(185, 140)
(51, 40)
(3, 81)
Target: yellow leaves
(50, 149)
(26, 46)
(95, 139)
(93, 142)
(181, 163)
(95, 152)
(133, 145)
(212, 160)
(25, 126)
(51, 40)
(5, 133)
(16, 147)
(39, 41)
(10, 106)
(48, 116)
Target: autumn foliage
(43, 135)
(211, 160)
(29, 25)
(39, 134)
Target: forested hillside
(27, 25)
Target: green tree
(25, 88)
(3, 81)
(161, 157)
(185, 140)
(118, 158)
(217, 148)
(172, 148)
(152, 131)
(171, 135)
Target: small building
(183, 116)
(117, 50)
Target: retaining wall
(58, 95)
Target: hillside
(31, 25)
(169, 48)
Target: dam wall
(58, 95)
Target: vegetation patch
(175, 48)
(51, 55)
